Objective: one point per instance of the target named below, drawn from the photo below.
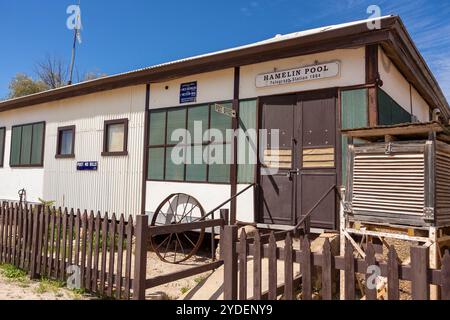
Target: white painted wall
(211, 87)
(419, 106)
(395, 85)
(115, 187)
(352, 73)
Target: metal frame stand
(431, 237)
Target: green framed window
(247, 149)
(183, 155)
(2, 145)
(27, 145)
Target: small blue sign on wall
(87, 166)
(188, 92)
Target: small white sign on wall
(307, 73)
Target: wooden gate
(301, 286)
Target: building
(103, 144)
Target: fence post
(225, 215)
(140, 261)
(230, 279)
(34, 241)
(420, 290)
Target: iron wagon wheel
(177, 247)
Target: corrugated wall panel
(116, 186)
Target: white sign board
(224, 110)
(315, 72)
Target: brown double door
(297, 170)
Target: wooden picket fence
(238, 251)
(47, 241)
(111, 257)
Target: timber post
(230, 280)
(140, 266)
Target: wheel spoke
(185, 206)
(193, 207)
(175, 253)
(185, 235)
(181, 246)
(173, 211)
(162, 243)
(176, 209)
(168, 243)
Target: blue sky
(125, 35)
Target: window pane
(66, 142)
(116, 135)
(15, 145)
(25, 151)
(219, 171)
(176, 119)
(2, 145)
(37, 143)
(196, 169)
(157, 127)
(247, 149)
(174, 167)
(156, 163)
(195, 115)
(221, 122)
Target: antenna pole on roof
(76, 35)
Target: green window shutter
(37, 143)
(221, 122)
(156, 163)
(389, 111)
(247, 121)
(16, 138)
(354, 109)
(2, 145)
(174, 171)
(354, 114)
(176, 119)
(25, 151)
(157, 130)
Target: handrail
(224, 203)
(308, 215)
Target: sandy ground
(22, 288)
(26, 289)
(174, 290)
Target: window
(247, 150)
(65, 147)
(2, 145)
(115, 138)
(206, 156)
(27, 145)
